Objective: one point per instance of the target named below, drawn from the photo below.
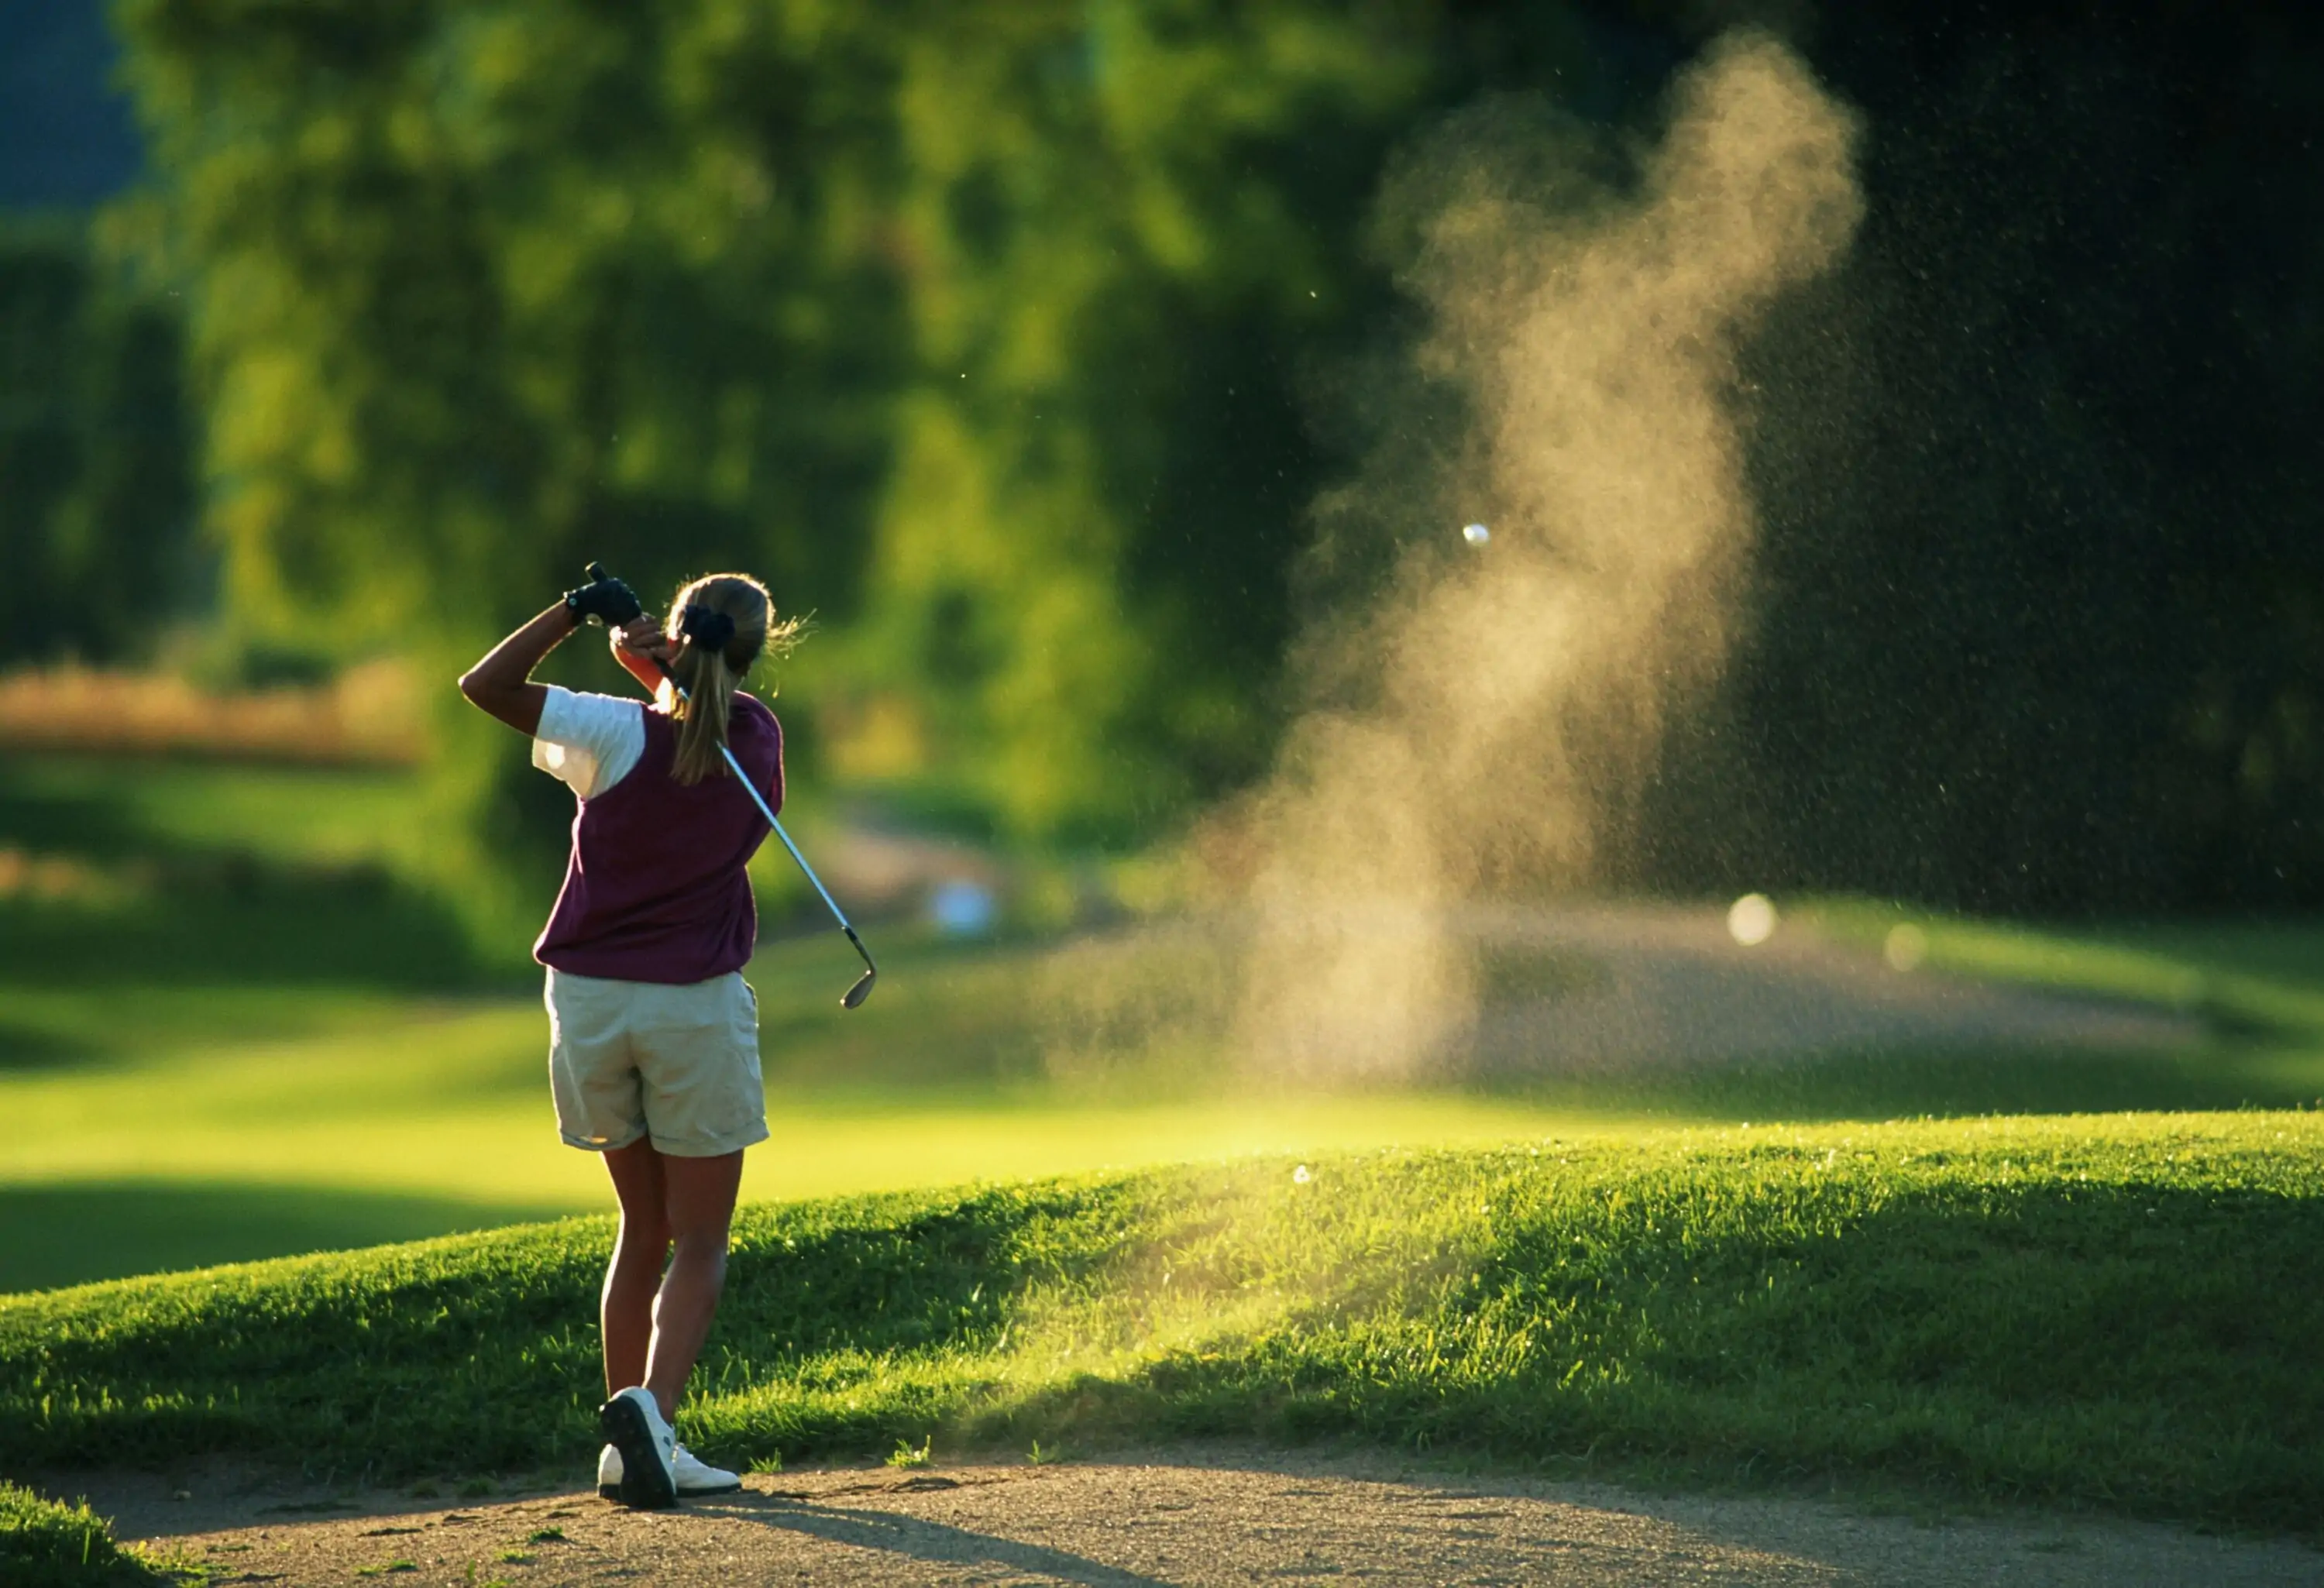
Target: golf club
(856, 994)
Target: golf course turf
(2112, 1312)
(47, 1544)
(2085, 1281)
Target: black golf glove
(608, 600)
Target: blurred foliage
(973, 329)
(1017, 341)
(486, 291)
(96, 500)
(480, 292)
(1123, 219)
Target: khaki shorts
(678, 1065)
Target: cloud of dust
(1480, 726)
(1485, 728)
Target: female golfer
(653, 1034)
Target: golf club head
(859, 991)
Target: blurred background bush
(1014, 340)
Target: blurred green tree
(483, 290)
(1123, 223)
(976, 328)
(480, 292)
(97, 501)
(992, 332)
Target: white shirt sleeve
(588, 742)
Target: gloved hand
(603, 597)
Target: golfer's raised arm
(501, 683)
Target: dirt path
(1184, 1517)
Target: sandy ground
(1189, 1517)
(1671, 989)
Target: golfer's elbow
(476, 688)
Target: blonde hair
(710, 676)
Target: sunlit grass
(2109, 1312)
(446, 1103)
(48, 1544)
(102, 804)
(187, 1112)
(2265, 977)
(457, 1106)
(270, 1054)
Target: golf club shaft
(761, 801)
(766, 810)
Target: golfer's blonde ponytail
(711, 673)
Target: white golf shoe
(631, 1422)
(691, 1475)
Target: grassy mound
(2116, 1312)
(46, 1545)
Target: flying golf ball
(1751, 919)
(1476, 534)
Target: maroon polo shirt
(656, 888)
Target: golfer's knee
(698, 1223)
(634, 1273)
(698, 1243)
(644, 1229)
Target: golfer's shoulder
(757, 711)
(579, 714)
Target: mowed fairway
(229, 1030)
(2112, 1313)
(398, 1118)
(452, 1103)
(1983, 1267)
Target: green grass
(203, 1104)
(2109, 1313)
(46, 1544)
(239, 1030)
(2262, 980)
(168, 1125)
(207, 1123)
(183, 875)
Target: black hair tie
(712, 631)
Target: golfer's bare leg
(699, 1201)
(625, 1307)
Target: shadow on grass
(481, 1352)
(885, 1274)
(2134, 1348)
(107, 901)
(1947, 1084)
(57, 1235)
(242, 919)
(34, 1048)
(2069, 1324)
